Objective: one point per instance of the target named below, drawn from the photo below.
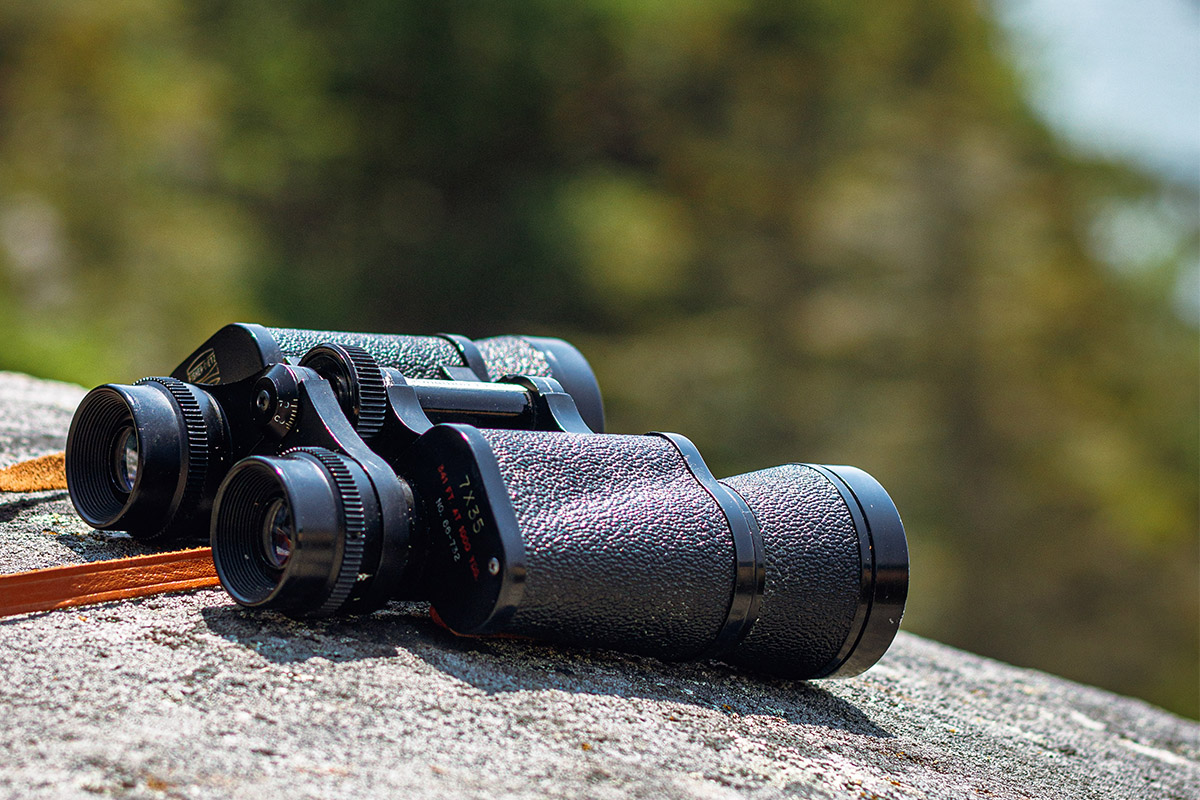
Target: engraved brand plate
(204, 369)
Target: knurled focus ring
(372, 394)
(364, 382)
(197, 444)
(355, 516)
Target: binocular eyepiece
(293, 529)
(142, 454)
(358, 469)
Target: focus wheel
(357, 381)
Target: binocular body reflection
(334, 472)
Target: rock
(188, 696)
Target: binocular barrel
(629, 543)
(147, 458)
(239, 350)
(622, 542)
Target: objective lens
(278, 533)
(125, 459)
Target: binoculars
(334, 472)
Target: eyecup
(246, 494)
(884, 574)
(333, 511)
(178, 435)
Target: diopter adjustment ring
(196, 443)
(358, 383)
(354, 515)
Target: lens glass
(278, 533)
(125, 459)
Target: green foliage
(820, 231)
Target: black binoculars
(339, 471)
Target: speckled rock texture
(187, 696)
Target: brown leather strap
(35, 475)
(102, 581)
(98, 581)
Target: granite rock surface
(188, 696)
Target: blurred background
(918, 237)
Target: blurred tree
(818, 231)
(110, 230)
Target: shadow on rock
(283, 640)
(501, 665)
(12, 509)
